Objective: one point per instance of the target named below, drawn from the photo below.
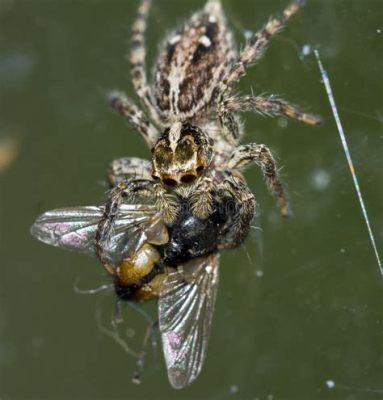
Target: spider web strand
(326, 82)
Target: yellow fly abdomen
(134, 268)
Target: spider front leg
(129, 187)
(269, 106)
(261, 155)
(128, 167)
(134, 116)
(241, 207)
(258, 43)
(137, 59)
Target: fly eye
(200, 169)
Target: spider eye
(185, 150)
(200, 168)
(163, 156)
(170, 182)
(188, 178)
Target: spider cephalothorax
(181, 154)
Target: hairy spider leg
(261, 155)
(138, 57)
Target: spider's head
(181, 155)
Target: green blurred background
(300, 304)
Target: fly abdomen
(137, 275)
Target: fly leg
(113, 331)
(141, 358)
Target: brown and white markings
(199, 202)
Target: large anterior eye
(163, 156)
(185, 150)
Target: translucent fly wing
(69, 228)
(133, 226)
(186, 307)
(75, 228)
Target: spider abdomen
(192, 62)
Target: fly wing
(186, 307)
(75, 228)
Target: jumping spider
(193, 131)
(200, 201)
